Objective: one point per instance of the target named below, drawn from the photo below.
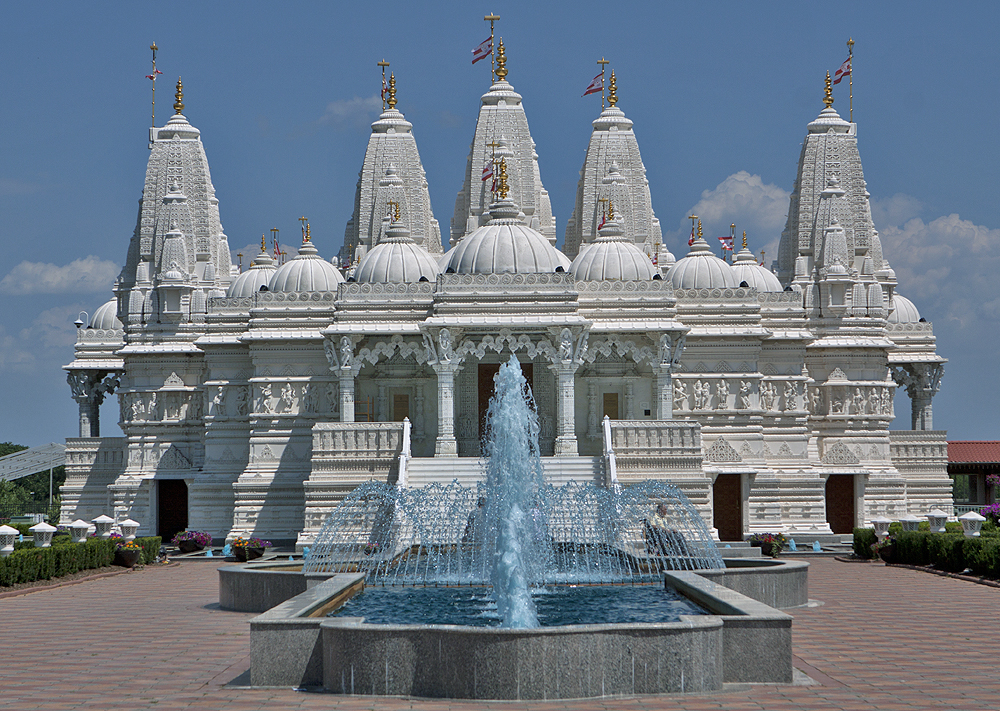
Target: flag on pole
(604, 219)
(487, 170)
(844, 71)
(385, 89)
(596, 85)
(484, 50)
(692, 238)
(152, 77)
(654, 258)
(727, 243)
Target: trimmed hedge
(946, 551)
(864, 538)
(27, 564)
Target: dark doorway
(487, 372)
(400, 406)
(727, 507)
(840, 512)
(172, 507)
(611, 406)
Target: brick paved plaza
(884, 638)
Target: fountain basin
(742, 640)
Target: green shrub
(864, 538)
(150, 548)
(950, 551)
(26, 565)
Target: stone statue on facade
(791, 395)
(680, 394)
(565, 345)
(746, 388)
(153, 409)
(264, 405)
(722, 393)
(219, 402)
(287, 397)
(444, 340)
(310, 398)
(702, 391)
(241, 401)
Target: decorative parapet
(356, 440)
(780, 297)
(400, 292)
(95, 453)
(700, 295)
(925, 327)
(559, 282)
(647, 447)
(658, 287)
(919, 450)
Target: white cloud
(42, 346)
(351, 112)
(894, 210)
(81, 276)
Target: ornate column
(593, 416)
(382, 414)
(565, 362)
(629, 397)
(418, 409)
(89, 388)
(446, 363)
(346, 366)
(922, 382)
(668, 357)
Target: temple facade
(252, 402)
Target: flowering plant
(371, 548)
(992, 512)
(993, 480)
(202, 538)
(776, 541)
(241, 542)
(123, 545)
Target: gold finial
(502, 187)
(501, 71)
(179, 97)
(828, 92)
(850, 42)
(699, 228)
(613, 90)
(393, 210)
(391, 101)
(744, 239)
(263, 244)
(308, 233)
(611, 210)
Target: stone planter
(189, 546)
(245, 553)
(127, 558)
(767, 548)
(885, 553)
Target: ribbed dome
(903, 310)
(259, 274)
(611, 256)
(106, 317)
(504, 245)
(701, 269)
(747, 270)
(306, 272)
(396, 259)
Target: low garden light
(79, 530)
(7, 538)
(971, 523)
(42, 534)
(129, 529)
(881, 524)
(103, 524)
(936, 519)
(910, 522)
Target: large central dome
(504, 245)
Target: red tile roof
(974, 451)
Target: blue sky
(284, 93)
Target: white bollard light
(8, 535)
(881, 525)
(103, 525)
(910, 522)
(129, 528)
(79, 530)
(971, 523)
(42, 533)
(936, 519)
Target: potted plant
(191, 541)
(127, 553)
(371, 548)
(991, 512)
(249, 548)
(884, 548)
(769, 543)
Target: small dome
(396, 259)
(306, 272)
(504, 245)
(106, 317)
(701, 269)
(611, 256)
(747, 270)
(259, 274)
(902, 310)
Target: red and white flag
(844, 71)
(727, 243)
(692, 238)
(596, 85)
(385, 88)
(488, 170)
(152, 77)
(654, 258)
(604, 219)
(484, 50)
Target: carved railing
(95, 453)
(356, 450)
(649, 447)
(919, 450)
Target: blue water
(559, 605)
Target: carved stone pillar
(346, 381)
(383, 414)
(663, 392)
(922, 381)
(418, 410)
(89, 388)
(447, 445)
(629, 398)
(593, 416)
(565, 373)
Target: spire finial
(391, 101)
(744, 239)
(385, 87)
(308, 233)
(501, 71)
(828, 92)
(613, 90)
(611, 207)
(263, 244)
(179, 97)
(503, 188)
(699, 228)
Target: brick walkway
(156, 639)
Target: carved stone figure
(153, 409)
(565, 345)
(837, 406)
(745, 389)
(768, 395)
(137, 406)
(310, 398)
(722, 393)
(264, 405)
(219, 402)
(444, 339)
(664, 349)
(791, 395)
(860, 403)
(816, 400)
(680, 394)
(887, 401)
(287, 397)
(702, 391)
(346, 352)
(241, 401)
(874, 404)
(332, 399)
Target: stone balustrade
(921, 457)
(655, 448)
(92, 463)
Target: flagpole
(493, 57)
(153, 110)
(383, 64)
(850, 77)
(603, 62)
